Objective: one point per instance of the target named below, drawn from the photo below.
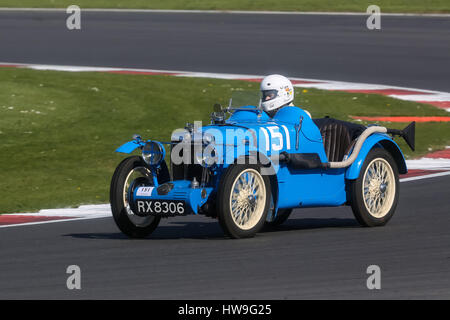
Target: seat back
(337, 136)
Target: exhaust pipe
(312, 161)
(408, 134)
(366, 133)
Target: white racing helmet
(277, 91)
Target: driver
(277, 92)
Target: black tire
(360, 206)
(118, 207)
(224, 212)
(282, 216)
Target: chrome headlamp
(207, 156)
(208, 138)
(153, 153)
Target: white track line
(422, 97)
(321, 83)
(307, 13)
(429, 164)
(54, 221)
(84, 212)
(428, 176)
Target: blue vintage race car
(251, 170)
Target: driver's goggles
(269, 94)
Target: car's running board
(302, 160)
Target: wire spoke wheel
(248, 198)
(378, 187)
(375, 193)
(243, 200)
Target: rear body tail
(408, 133)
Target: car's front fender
(377, 140)
(130, 146)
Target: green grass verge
(416, 6)
(59, 130)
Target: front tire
(128, 173)
(243, 200)
(374, 194)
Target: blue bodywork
(291, 131)
(182, 191)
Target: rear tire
(374, 194)
(282, 216)
(130, 224)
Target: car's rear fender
(374, 141)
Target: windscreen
(243, 98)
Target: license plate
(160, 207)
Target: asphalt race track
(318, 253)
(407, 51)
